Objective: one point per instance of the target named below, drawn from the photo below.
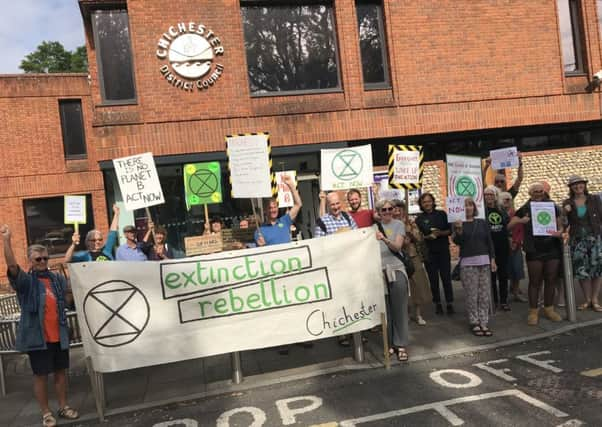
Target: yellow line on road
(592, 373)
(331, 424)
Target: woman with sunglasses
(390, 234)
(477, 262)
(543, 254)
(97, 248)
(584, 214)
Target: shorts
(543, 256)
(44, 362)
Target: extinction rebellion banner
(162, 312)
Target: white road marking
(543, 364)
(571, 423)
(184, 422)
(473, 380)
(288, 415)
(500, 373)
(592, 373)
(442, 408)
(258, 415)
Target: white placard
(75, 209)
(465, 178)
(455, 208)
(249, 162)
(346, 168)
(504, 158)
(163, 312)
(406, 167)
(138, 181)
(543, 218)
(285, 195)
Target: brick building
(462, 76)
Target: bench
(9, 320)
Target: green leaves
(51, 57)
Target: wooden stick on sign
(149, 218)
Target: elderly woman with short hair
(543, 254)
(97, 249)
(390, 234)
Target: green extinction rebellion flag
(202, 183)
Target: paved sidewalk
(141, 388)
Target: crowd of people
(415, 259)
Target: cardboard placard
(285, 195)
(465, 178)
(202, 184)
(75, 210)
(346, 168)
(201, 245)
(504, 158)
(249, 163)
(138, 181)
(455, 208)
(543, 218)
(232, 235)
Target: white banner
(504, 158)
(249, 162)
(285, 195)
(163, 312)
(138, 181)
(543, 217)
(464, 178)
(346, 168)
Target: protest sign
(504, 158)
(232, 236)
(202, 183)
(250, 166)
(455, 208)
(167, 311)
(405, 166)
(464, 178)
(138, 181)
(346, 168)
(75, 210)
(386, 192)
(205, 244)
(285, 195)
(543, 218)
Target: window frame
(382, 30)
(90, 222)
(68, 156)
(99, 60)
(577, 31)
(268, 3)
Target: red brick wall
(456, 65)
(32, 164)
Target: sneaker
(439, 309)
(420, 320)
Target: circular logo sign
(347, 165)
(465, 186)
(544, 218)
(203, 183)
(191, 51)
(116, 313)
(495, 218)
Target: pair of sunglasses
(41, 258)
(387, 209)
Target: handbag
(401, 255)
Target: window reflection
(570, 35)
(372, 43)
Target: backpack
(401, 255)
(322, 226)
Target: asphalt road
(552, 382)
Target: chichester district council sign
(190, 50)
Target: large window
(44, 219)
(290, 47)
(114, 55)
(372, 44)
(72, 125)
(571, 36)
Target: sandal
(486, 331)
(583, 306)
(402, 354)
(597, 307)
(48, 420)
(477, 331)
(68, 413)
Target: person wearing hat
(583, 212)
(131, 250)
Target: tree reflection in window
(372, 43)
(112, 37)
(290, 47)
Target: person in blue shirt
(97, 248)
(276, 229)
(132, 249)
